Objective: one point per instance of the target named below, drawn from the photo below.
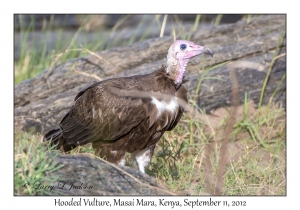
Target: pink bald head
(186, 49)
(179, 54)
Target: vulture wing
(100, 114)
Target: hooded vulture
(127, 114)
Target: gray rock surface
(41, 102)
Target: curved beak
(208, 51)
(198, 50)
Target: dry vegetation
(255, 161)
(187, 160)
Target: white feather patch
(142, 158)
(163, 106)
(122, 161)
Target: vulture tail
(57, 140)
(55, 136)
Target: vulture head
(179, 54)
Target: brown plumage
(116, 123)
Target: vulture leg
(142, 158)
(107, 153)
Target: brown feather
(113, 122)
(129, 114)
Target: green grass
(32, 163)
(257, 149)
(253, 167)
(34, 59)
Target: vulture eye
(183, 46)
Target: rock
(249, 47)
(87, 175)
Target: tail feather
(56, 138)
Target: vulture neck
(175, 68)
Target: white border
(154, 7)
